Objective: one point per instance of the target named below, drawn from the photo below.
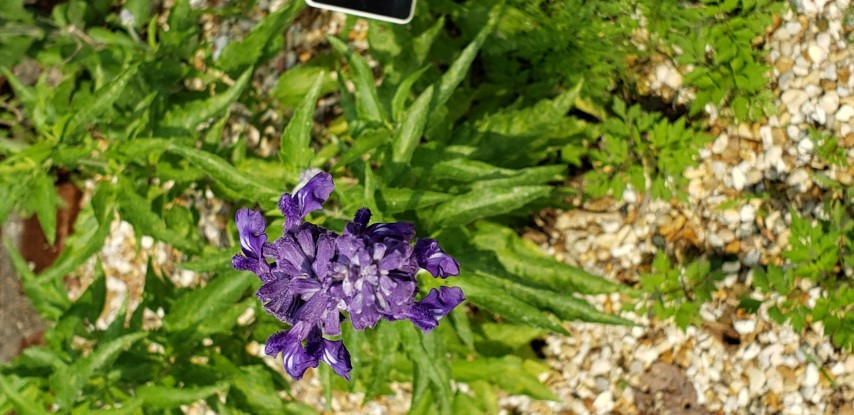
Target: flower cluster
(311, 275)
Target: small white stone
(813, 91)
(793, 28)
(793, 99)
(720, 143)
(811, 376)
(829, 72)
(739, 179)
(805, 146)
(600, 367)
(747, 213)
(829, 102)
(816, 53)
(146, 242)
(744, 326)
(766, 136)
(604, 403)
(793, 132)
(845, 113)
(730, 216)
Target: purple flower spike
(305, 200)
(434, 260)
(315, 279)
(437, 304)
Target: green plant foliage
(679, 292)
(720, 39)
(643, 149)
(821, 252)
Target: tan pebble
(848, 141)
(733, 247)
(827, 85)
(842, 74)
(772, 401)
(744, 131)
(784, 64)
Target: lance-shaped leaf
(187, 116)
(100, 102)
(224, 173)
(486, 202)
(500, 302)
(295, 147)
(68, 383)
(367, 101)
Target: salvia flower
(313, 277)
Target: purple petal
(332, 352)
(337, 356)
(250, 227)
(434, 260)
(401, 231)
(294, 356)
(305, 200)
(359, 223)
(323, 256)
(278, 300)
(242, 263)
(438, 303)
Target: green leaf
(165, 397)
(255, 389)
(244, 53)
(48, 296)
(100, 102)
(507, 372)
(209, 261)
(393, 200)
(424, 352)
(563, 306)
(367, 101)
(367, 141)
(22, 405)
(295, 147)
(92, 227)
(398, 101)
(458, 70)
(507, 306)
(90, 305)
(211, 300)
(129, 407)
(521, 258)
(224, 173)
(408, 135)
(295, 83)
(488, 201)
(69, 382)
(45, 201)
(137, 210)
(386, 340)
(188, 116)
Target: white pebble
(739, 179)
(811, 376)
(744, 326)
(845, 113)
(747, 213)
